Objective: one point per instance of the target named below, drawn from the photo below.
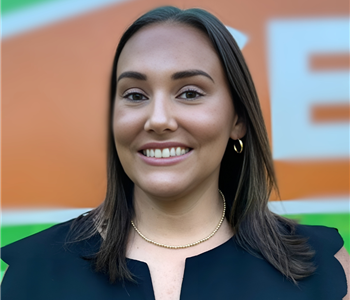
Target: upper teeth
(165, 152)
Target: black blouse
(43, 267)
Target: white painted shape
(40, 216)
(1, 275)
(240, 38)
(310, 206)
(294, 88)
(42, 14)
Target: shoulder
(330, 255)
(36, 244)
(44, 265)
(322, 239)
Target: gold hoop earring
(241, 144)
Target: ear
(239, 128)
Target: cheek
(125, 127)
(212, 124)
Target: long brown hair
(246, 179)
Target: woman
(189, 177)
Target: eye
(135, 96)
(190, 94)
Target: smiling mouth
(165, 152)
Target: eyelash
(127, 95)
(189, 90)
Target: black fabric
(43, 267)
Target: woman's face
(173, 113)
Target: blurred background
(55, 66)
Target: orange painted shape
(329, 62)
(330, 113)
(306, 179)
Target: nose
(161, 116)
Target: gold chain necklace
(191, 244)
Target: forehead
(175, 46)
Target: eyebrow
(132, 74)
(190, 73)
(175, 76)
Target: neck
(178, 219)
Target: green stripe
(13, 5)
(10, 234)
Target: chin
(163, 189)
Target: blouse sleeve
(329, 274)
(326, 239)
(28, 259)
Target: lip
(164, 161)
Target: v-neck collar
(140, 269)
